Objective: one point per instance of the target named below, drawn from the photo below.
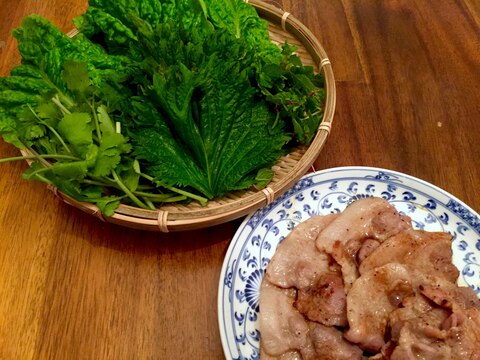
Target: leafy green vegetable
(157, 101)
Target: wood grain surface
(71, 287)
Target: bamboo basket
(288, 169)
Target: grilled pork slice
(464, 336)
(324, 301)
(367, 248)
(422, 329)
(448, 295)
(387, 291)
(371, 218)
(371, 300)
(430, 252)
(283, 329)
(433, 332)
(297, 262)
(329, 344)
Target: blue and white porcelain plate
(325, 192)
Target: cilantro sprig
(89, 156)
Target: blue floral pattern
(325, 192)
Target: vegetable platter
(169, 115)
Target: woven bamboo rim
(288, 169)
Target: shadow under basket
(288, 169)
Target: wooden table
(71, 287)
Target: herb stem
(160, 197)
(36, 172)
(95, 119)
(200, 199)
(98, 183)
(127, 191)
(57, 135)
(57, 102)
(28, 157)
(312, 114)
(172, 199)
(44, 179)
(149, 203)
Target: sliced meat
(429, 252)
(416, 328)
(371, 300)
(413, 344)
(449, 295)
(412, 307)
(464, 339)
(282, 327)
(385, 352)
(440, 322)
(366, 272)
(324, 301)
(371, 218)
(427, 337)
(367, 248)
(297, 262)
(329, 344)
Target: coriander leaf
(48, 110)
(31, 172)
(8, 130)
(76, 170)
(71, 170)
(77, 130)
(112, 146)
(106, 124)
(108, 205)
(130, 173)
(92, 192)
